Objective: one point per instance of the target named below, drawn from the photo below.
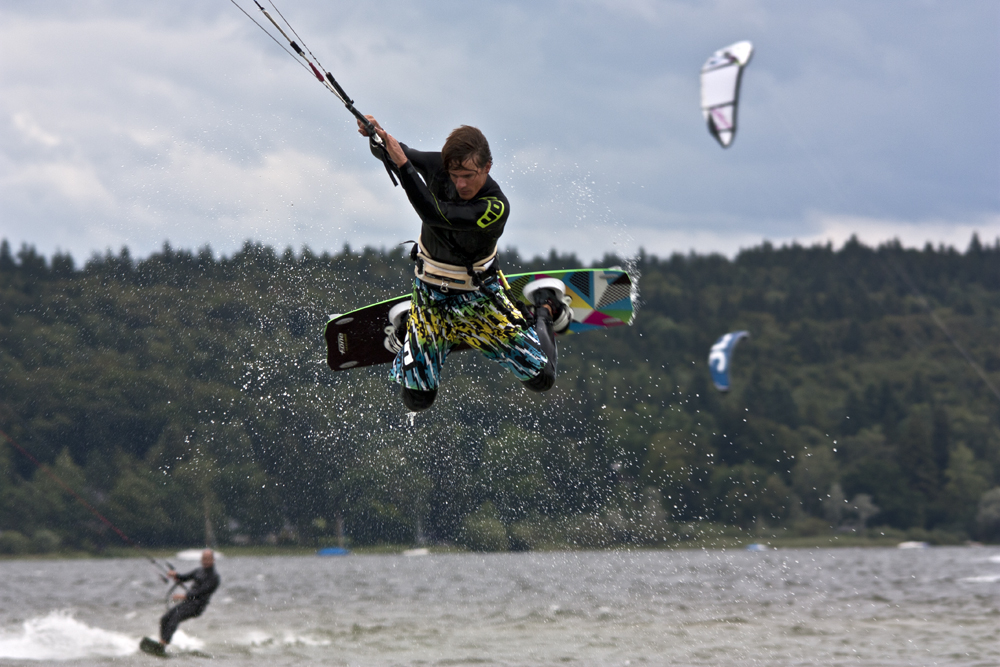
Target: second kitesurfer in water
(205, 580)
(458, 295)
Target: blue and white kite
(720, 357)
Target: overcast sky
(131, 124)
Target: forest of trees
(186, 397)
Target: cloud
(819, 229)
(32, 131)
(77, 184)
(914, 234)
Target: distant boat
(757, 546)
(195, 554)
(912, 545)
(419, 551)
(332, 551)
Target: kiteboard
(153, 647)
(600, 298)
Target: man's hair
(463, 143)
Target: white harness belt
(449, 276)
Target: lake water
(937, 606)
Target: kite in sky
(721, 355)
(720, 89)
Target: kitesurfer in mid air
(458, 295)
(205, 580)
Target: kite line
(68, 489)
(312, 64)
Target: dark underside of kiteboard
(601, 298)
(153, 647)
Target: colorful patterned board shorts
(438, 322)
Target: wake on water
(59, 636)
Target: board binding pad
(153, 647)
(599, 298)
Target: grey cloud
(134, 123)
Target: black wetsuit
(454, 231)
(458, 232)
(206, 580)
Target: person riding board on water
(192, 603)
(458, 294)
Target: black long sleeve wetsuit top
(206, 580)
(453, 230)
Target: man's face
(207, 558)
(468, 178)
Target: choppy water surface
(936, 606)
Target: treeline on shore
(185, 398)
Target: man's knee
(543, 381)
(417, 399)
